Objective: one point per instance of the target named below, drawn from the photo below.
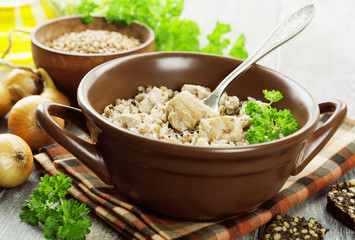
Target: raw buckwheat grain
(93, 42)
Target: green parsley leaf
(287, 123)
(175, 32)
(55, 188)
(68, 222)
(39, 207)
(216, 42)
(268, 123)
(52, 225)
(29, 214)
(253, 109)
(73, 210)
(61, 219)
(86, 8)
(237, 49)
(273, 96)
(75, 230)
(119, 13)
(256, 135)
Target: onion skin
(22, 122)
(22, 83)
(55, 96)
(16, 160)
(50, 91)
(5, 100)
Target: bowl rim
(37, 43)
(193, 150)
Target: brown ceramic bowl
(189, 182)
(67, 69)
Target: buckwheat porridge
(181, 116)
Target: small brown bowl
(183, 181)
(67, 69)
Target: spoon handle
(285, 31)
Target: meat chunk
(245, 121)
(225, 127)
(127, 120)
(154, 97)
(185, 110)
(199, 91)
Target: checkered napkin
(337, 157)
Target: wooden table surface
(321, 59)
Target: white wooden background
(321, 59)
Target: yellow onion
(16, 160)
(5, 100)
(22, 83)
(22, 122)
(50, 91)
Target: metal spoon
(285, 31)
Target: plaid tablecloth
(333, 161)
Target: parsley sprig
(86, 8)
(172, 33)
(62, 219)
(268, 123)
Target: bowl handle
(83, 150)
(317, 140)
